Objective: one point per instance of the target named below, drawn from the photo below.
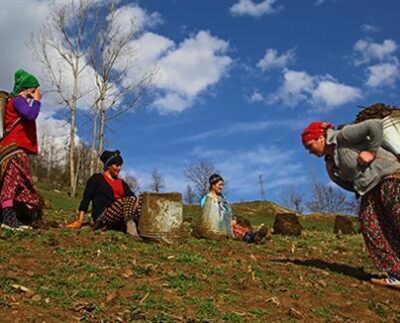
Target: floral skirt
(380, 225)
(117, 214)
(16, 179)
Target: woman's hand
(75, 225)
(366, 157)
(78, 223)
(37, 95)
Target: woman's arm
(28, 112)
(369, 132)
(88, 195)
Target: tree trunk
(101, 130)
(72, 170)
(93, 153)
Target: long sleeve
(88, 194)
(127, 189)
(369, 131)
(28, 112)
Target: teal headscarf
(23, 80)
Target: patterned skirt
(16, 179)
(380, 225)
(117, 214)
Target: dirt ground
(56, 275)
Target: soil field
(60, 275)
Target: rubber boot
(132, 230)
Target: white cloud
(192, 67)
(299, 86)
(272, 59)
(251, 8)
(142, 19)
(255, 97)
(332, 93)
(182, 71)
(320, 2)
(367, 51)
(368, 28)
(173, 102)
(295, 88)
(383, 74)
(246, 127)
(147, 51)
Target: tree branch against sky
(60, 48)
(112, 57)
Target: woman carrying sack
(19, 140)
(356, 161)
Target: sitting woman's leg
(121, 215)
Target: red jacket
(22, 132)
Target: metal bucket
(391, 134)
(3, 104)
(162, 217)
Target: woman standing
(114, 205)
(356, 161)
(19, 140)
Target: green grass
(196, 281)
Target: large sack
(390, 117)
(215, 220)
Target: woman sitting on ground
(19, 140)
(217, 220)
(114, 205)
(355, 160)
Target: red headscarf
(315, 130)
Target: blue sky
(240, 79)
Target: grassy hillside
(56, 275)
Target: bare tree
(112, 57)
(61, 47)
(189, 196)
(293, 199)
(82, 155)
(157, 181)
(328, 199)
(133, 183)
(199, 175)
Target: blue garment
(216, 217)
(204, 198)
